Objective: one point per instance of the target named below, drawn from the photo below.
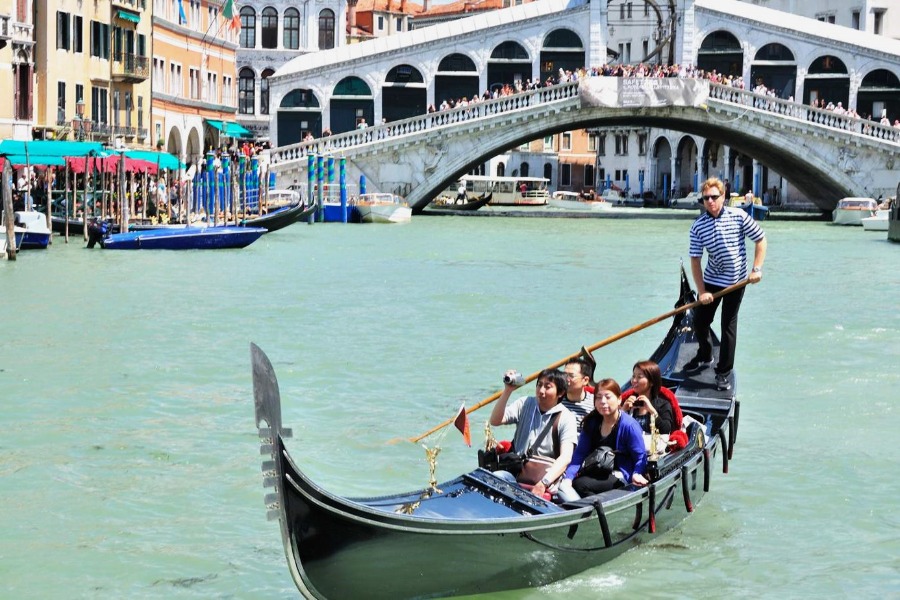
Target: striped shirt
(723, 239)
(581, 408)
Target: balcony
(135, 5)
(130, 68)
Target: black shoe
(696, 363)
(723, 381)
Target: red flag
(462, 423)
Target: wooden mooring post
(9, 223)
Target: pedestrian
(720, 231)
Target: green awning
(163, 159)
(229, 128)
(49, 149)
(236, 130)
(124, 14)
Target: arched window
(248, 27)
(246, 91)
(456, 62)
(291, 29)
(510, 51)
(264, 91)
(501, 169)
(525, 169)
(326, 29)
(269, 33)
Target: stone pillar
(729, 175)
(674, 182)
(599, 34)
(855, 81)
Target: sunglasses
(715, 197)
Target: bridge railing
(471, 112)
(804, 112)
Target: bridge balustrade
(796, 110)
(473, 111)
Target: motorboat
(461, 202)
(382, 208)
(692, 200)
(574, 201)
(478, 533)
(852, 210)
(30, 230)
(878, 222)
(753, 206)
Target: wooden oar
(599, 344)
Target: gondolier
(720, 231)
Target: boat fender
(685, 490)
(725, 451)
(604, 524)
(706, 470)
(651, 504)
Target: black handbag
(501, 461)
(599, 463)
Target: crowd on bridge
(823, 113)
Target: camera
(515, 378)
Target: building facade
(194, 89)
(92, 76)
(272, 33)
(16, 69)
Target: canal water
(129, 461)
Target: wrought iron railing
(131, 65)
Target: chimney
(351, 15)
(403, 6)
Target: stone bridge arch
(825, 174)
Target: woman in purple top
(606, 425)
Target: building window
(601, 144)
(645, 46)
(77, 34)
(246, 91)
(646, 8)
(399, 24)
(621, 144)
(592, 142)
(622, 11)
(194, 75)
(227, 90)
(291, 29)
(565, 175)
(63, 34)
(248, 28)
(100, 105)
(100, 39)
(548, 142)
(264, 91)
(326, 29)
(854, 19)
(129, 108)
(60, 102)
(588, 180)
(878, 22)
(269, 33)
(140, 111)
(380, 23)
(629, 9)
(212, 87)
(567, 141)
(642, 144)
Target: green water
(129, 462)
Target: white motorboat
(382, 208)
(879, 222)
(31, 230)
(852, 210)
(574, 201)
(692, 200)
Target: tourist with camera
(647, 397)
(545, 429)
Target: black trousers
(588, 486)
(703, 318)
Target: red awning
(110, 164)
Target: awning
(124, 14)
(229, 128)
(163, 159)
(45, 152)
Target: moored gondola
(280, 218)
(468, 205)
(477, 533)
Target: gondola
(476, 533)
(467, 205)
(280, 218)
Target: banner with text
(637, 92)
